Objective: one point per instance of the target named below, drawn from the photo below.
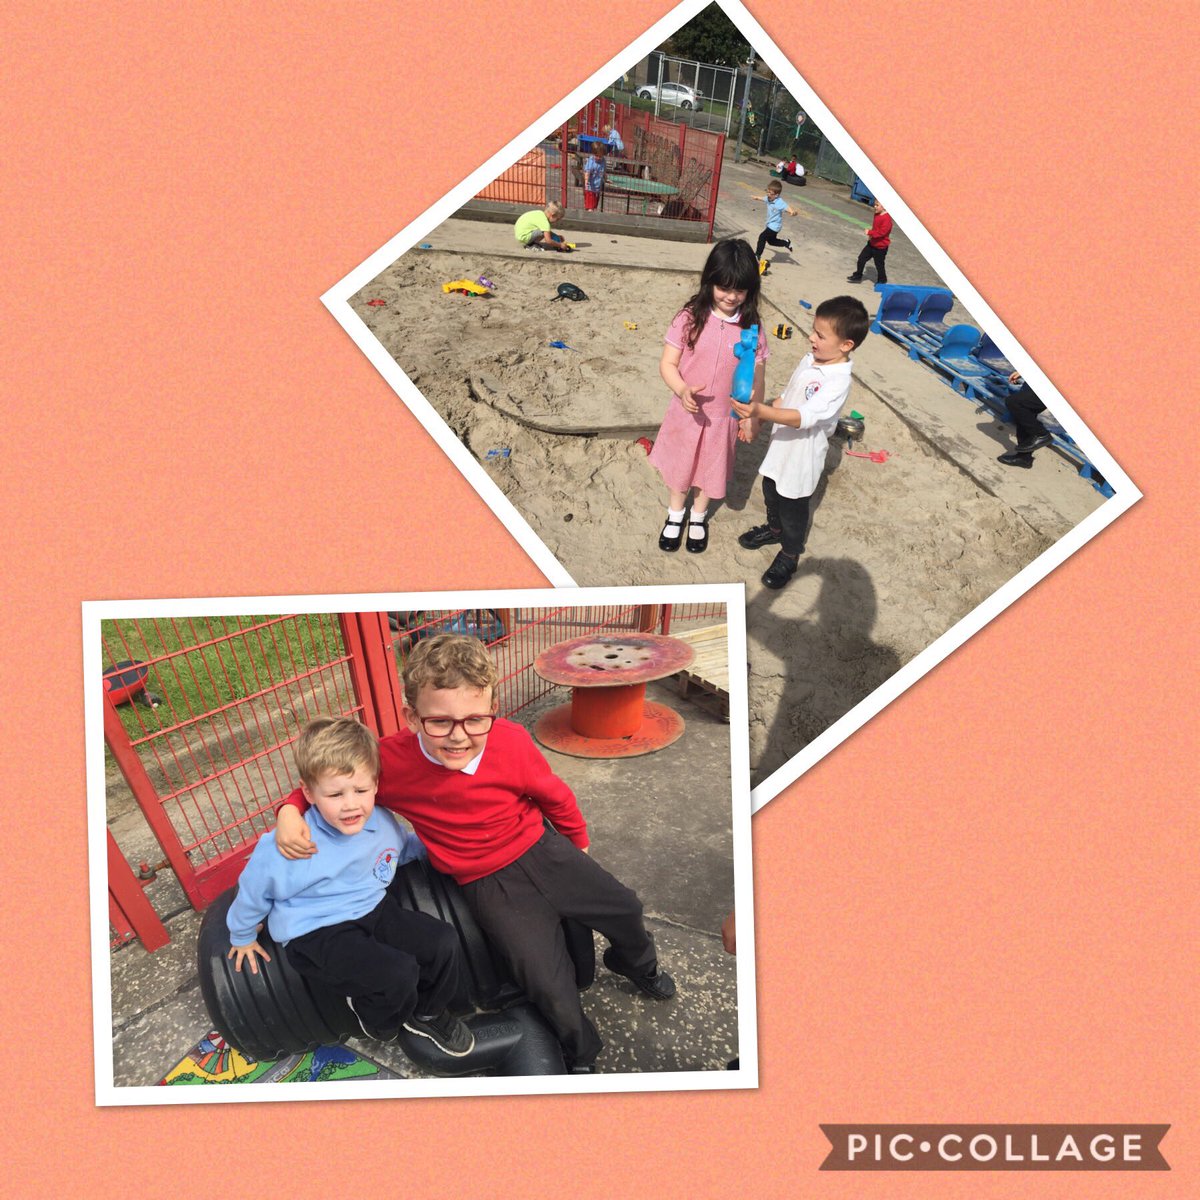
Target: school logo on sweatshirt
(385, 865)
(812, 389)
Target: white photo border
(732, 596)
(1125, 492)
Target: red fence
(666, 169)
(200, 713)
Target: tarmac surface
(662, 823)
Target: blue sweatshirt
(345, 880)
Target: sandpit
(898, 551)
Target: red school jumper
(473, 825)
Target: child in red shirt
(477, 791)
(879, 238)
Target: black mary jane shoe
(697, 545)
(672, 542)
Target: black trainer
(759, 536)
(1034, 443)
(780, 571)
(447, 1033)
(1016, 459)
(658, 984)
(854, 279)
(372, 1031)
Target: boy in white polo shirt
(803, 418)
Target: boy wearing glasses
(478, 792)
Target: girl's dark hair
(731, 264)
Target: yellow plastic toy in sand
(630, 325)
(466, 287)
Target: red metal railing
(203, 735)
(684, 162)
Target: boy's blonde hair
(335, 744)
(554, 209)
(449, 660)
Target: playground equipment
(279, 1012)
(965, 358)
(125, 683)
(608, 715)
(465, 287)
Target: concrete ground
(661, 823)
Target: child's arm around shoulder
(550, 793)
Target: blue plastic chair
(931, 316)
(895, 315)
(989, 354)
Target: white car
(677, 95)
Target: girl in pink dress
(693, 451)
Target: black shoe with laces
(780, 571)
(1015, 459)
(446, 1032)
(657, 984)
(1034, 443)
(759, 536)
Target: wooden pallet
(708, 674)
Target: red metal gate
(200, 713)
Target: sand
(898, 551)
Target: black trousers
(520, 908)
(1023, 407)
(878, 254)
(788, 515)
(768, 235)
(392, 963)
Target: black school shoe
(1034, 443)
(1016, 458)
(658, 985)
(759, 536)
(374, 1032)
(780, 571)
(854, 279)
(697, 545)
(449, 1034)
(669, 542)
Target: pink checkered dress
(696, 449)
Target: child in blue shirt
(333, 914)
(593, 176)
(776, 207)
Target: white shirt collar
(469, 769)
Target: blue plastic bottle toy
(743, 373)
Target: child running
(803, 418)
(693, 451)
(776, 207)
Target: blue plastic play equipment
(964, 358)
(859, 192)
(743, 374)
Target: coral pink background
(980, 908)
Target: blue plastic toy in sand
(563, 346)
(743, 374)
